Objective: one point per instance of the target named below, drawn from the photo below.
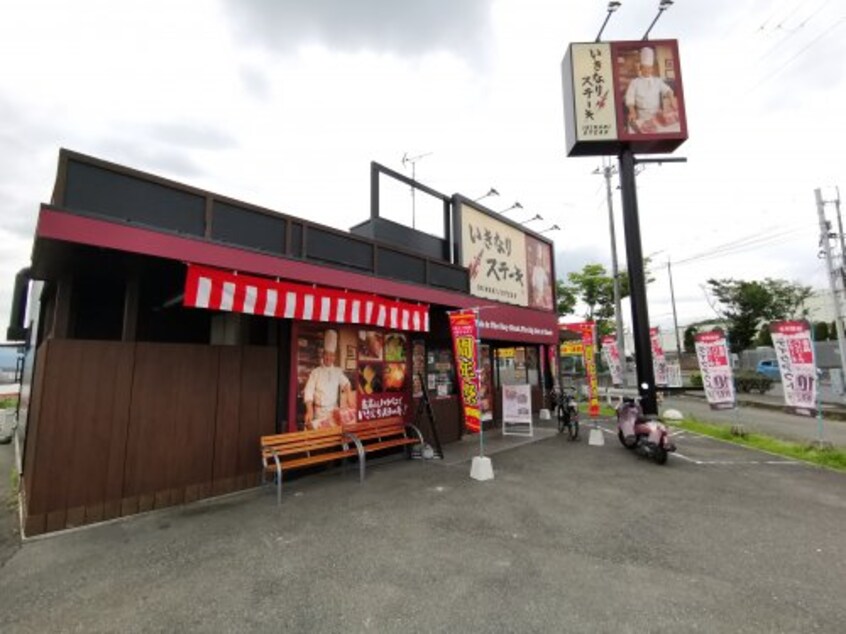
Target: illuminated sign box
(623, 94)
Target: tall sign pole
(622, 98)
(637, 285)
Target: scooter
(649, 437)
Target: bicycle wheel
(562, 418)
(574, 428)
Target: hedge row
(743, 382)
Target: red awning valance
(226, 290)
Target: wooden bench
(384, 434)
(283, 452)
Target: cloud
(190, 136)
(571, 259)
(403, 28)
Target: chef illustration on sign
(650, 102)
(328, 397)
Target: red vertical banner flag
(464, 328)
(586, 328)
(795, 353)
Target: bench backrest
(377, 429)
(298, 442)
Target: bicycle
(567, 411)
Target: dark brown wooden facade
(119, 428)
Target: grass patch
(9, 402)
(14, 484)
(833, 458)
(604, 410)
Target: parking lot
(567, 537)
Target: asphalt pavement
(568, 537)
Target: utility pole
(842, 241)
(608, 170)
(675, 318)
(825, 235)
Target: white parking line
(680, 434)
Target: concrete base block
(544, 414)
(482, 468)
(672, 414)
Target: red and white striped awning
(229, 291)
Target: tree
(566, 298)
(689, 342)
(747, 306)
(594, 287)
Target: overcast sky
(284, 103)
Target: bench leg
(360, 449)
(278, 481)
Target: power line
(794, 31)
(798, 53)
(744, 239)
(751, 247)
(747, 243)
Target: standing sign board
(713, 356)
(795, 353)
(517, 410)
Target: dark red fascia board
(61, 225)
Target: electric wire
(792, 32)
(745, 244)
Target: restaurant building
(169, 328)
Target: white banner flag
(713, 356)
(659, 361)
(611, 354)
(795, 353)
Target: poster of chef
(717, 378)
(347, 375)
(648, 89)
(795, 353)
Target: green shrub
(752, 382)
(743, 382)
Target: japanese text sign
(495, 255)
(596, 117)
(713, 356)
